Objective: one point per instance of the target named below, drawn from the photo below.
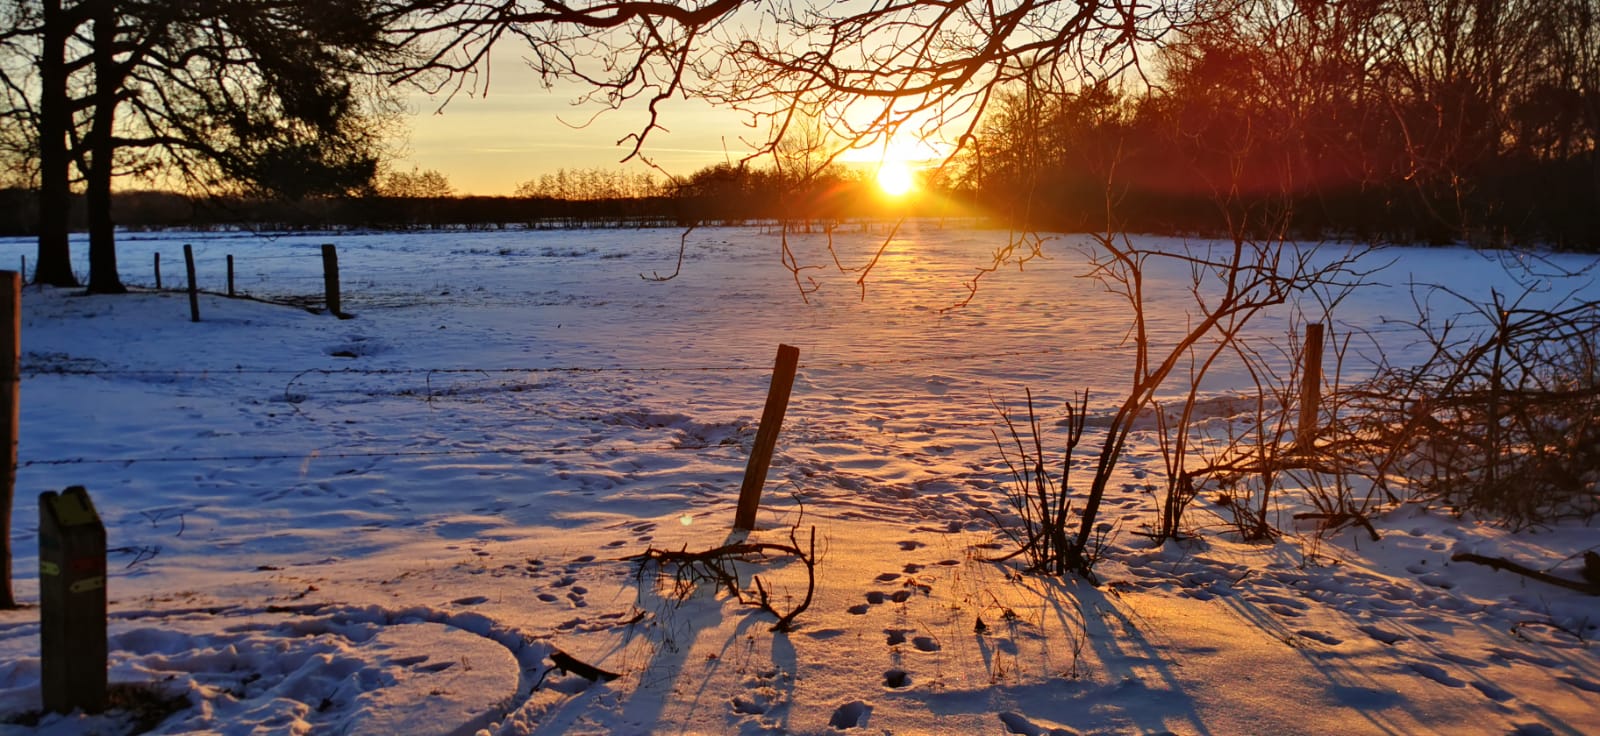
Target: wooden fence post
(755, 474)
(330, 278)
(194, 289)
(1310, 389)
(158, 270)
(230, 275)
(72, 602)
(10, 364)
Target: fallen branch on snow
(1499, 563)
(718, 564)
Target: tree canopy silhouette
(266, 95)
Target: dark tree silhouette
(262, 95)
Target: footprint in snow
(853, 714)
(1438, 580)
(1320, 636)
(1581, 684)
(925, 644)
(471, 600)
(884, 577)
(910, 544)
(1387, 637)
(1492, 692)
(1282, 601)
(1436, 673)
(895, 679)
(1459, 659)
(1019, 724)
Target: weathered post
(158, 271)
(330, 278)
(72, 602)
(10, 364)
(194, 289)
(755, 474)
(230, 276)
(1310, 389)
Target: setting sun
(895, 178)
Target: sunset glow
(895, 178)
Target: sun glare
(894, 178)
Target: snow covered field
(388, 524)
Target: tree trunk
(103, 277)
(54, 263)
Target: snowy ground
(388, 524)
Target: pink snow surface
(388, 524)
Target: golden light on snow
(895, 178)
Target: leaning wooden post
(330, 278)
(194, 289)
(72, 602)
(10, 363)
(1310, 390)
(755, 474)
(158, 271)
(230, 275)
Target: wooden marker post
(158, 271)
(10, 383)
(194, 289)
(1305, 437)
(230, 276)
(72, 602)
(330, 278)
(755, 474)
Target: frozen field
(341, 526)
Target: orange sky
(488, 144)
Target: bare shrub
(1502, 418)
(1040, 500)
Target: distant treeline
(717, 195)
(1435, 121)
